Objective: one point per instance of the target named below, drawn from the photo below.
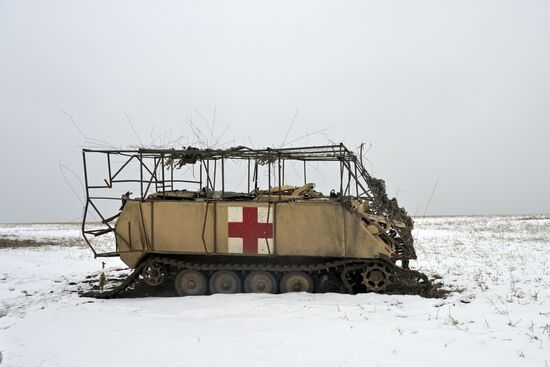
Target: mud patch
(432, 289)
(137, 289)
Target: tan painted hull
(320, 228)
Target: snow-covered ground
(501, 317)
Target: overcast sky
(457, 91)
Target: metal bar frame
(357, 176)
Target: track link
(118, 289)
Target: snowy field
(501, 317)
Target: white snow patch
(501, 318)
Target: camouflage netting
(388, 206)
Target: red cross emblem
(249, 230)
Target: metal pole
(162, 169)
(215, 168)
(341, 180)
(172, 174)
(280, 186)
(269, 181)
(154, 174)
(223, 179)
(248, 181)
(200, 175)
(283, 171)
(85, 216)
(208, 181)
(348, 187)
(141, 175)
(109, 166)
(355, 178)
(86, 175)
(255, 174)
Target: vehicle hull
(305, 228)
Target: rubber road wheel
(190, 283)
(328, 283)
(225, 281)
(260, 282)
(297, 281)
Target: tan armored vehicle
(185, 228)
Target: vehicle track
(352, 273)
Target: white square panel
(235, 245)
(235, 214)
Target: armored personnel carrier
(184, 227)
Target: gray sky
(456, 90)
